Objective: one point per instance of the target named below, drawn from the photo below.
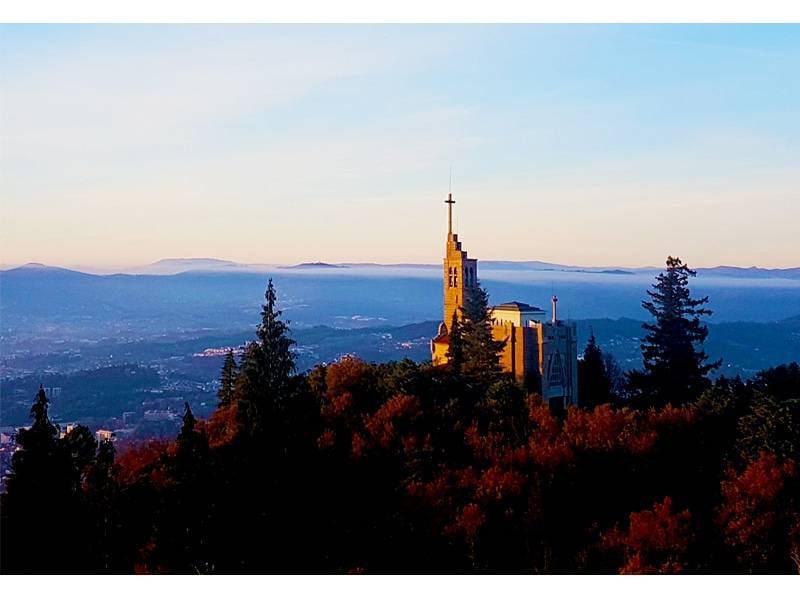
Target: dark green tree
(594, 385)
(481, 350)
(185, 513)
(503, 409)
(34, 464)
(248, 391)
(455, 349)
(616, 377)
(227, 380)
(191, 442)
(782, 382)
(675, 365)
(187, 428)
(43, 490)
(276, 347)
(771, 425)
(102, 498)
(80, 446)
(263, 386)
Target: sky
(590, 145)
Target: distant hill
(40, 272)
(171, 266)
(393, 265)
(174, 266)
(751, 272)
(315, 265)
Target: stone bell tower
(460, 271)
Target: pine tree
(43, 492)
(594, 386)
(187, 432)
(187, 509)
(262, 385)
(102, 497)
(616, 378)
(227, 380)
(278, 360)
(481, 350)
(192, 447)
(455, 349)
(675, 368)
(248, 392)
(33, 463)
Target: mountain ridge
(174, 266)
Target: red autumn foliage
(326, 440)
(671, 416)
(358, 445)
(496, 483)
(337, 405)
(468, 521)
(656, 541)
(484, 447)
(752, 503)
(604, 429)
(401, 408)
(347, 382)
(465, 478)
(546, 444)
(409, 443)
(222, 426)
(142, 459)
(433, 493)
(542, 418)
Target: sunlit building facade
(541, 352)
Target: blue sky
(594, 145)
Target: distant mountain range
(316, 265)
(173, 266)
(169, 266)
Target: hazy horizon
(101, 269)
(590, 145)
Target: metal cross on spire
(450, 203)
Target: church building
(540, 352)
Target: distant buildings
(540, 352)
(104, 435)
(8, 445)
(212, 352)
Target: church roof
(517, 306)
(442, 338)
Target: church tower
(460, 272)
(539, 354)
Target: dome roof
(518, 307)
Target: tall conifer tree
(455, 349)
(675, 367)
(594, 386)
(249, 392)
(481, 350)
(44, 490)
(276, 347)
(262, 386)
(227, 380)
